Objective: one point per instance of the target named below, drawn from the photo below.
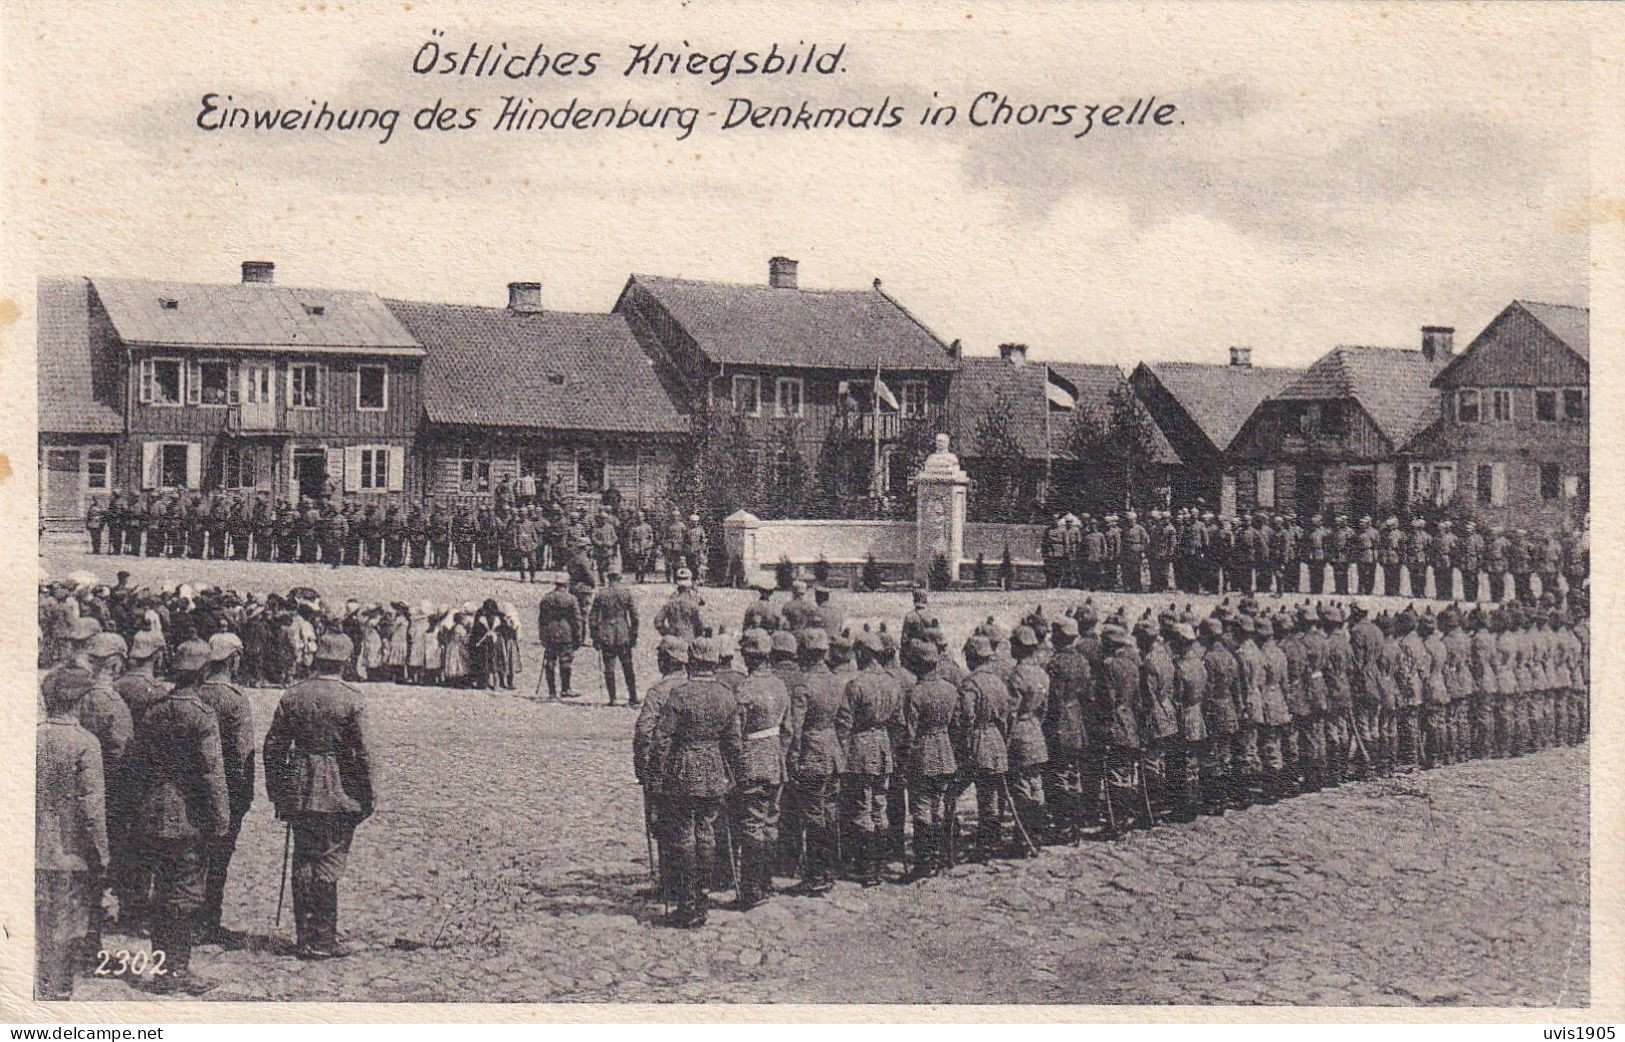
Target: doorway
(63, 484)
(310, 473)
(1362, 493)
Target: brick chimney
(1438, 343)
(525, 297)
(1241, 357)
(258, 272)
(781, 273)
(1015, 354)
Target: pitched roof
(78, 391)
(816, 329)
(245, 316)
(1568, 323)
(980, 382)
(1220, 398)
(1393, 385)
(497, 367)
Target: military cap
(1366, 520)
(193, 655)
(146, 644)
(925, 655)
(869, 641)
(1065, 626)
(888, 643)
(1426, 623)
(784, 642)
(83, 628)
(996, 631)
(1356, 610)
(1265, 627)
(840, 643)
(920, 595)
(756, 641)
(1417, 522)
(63, 687)
(674, 648)
(814, 639)
(796, 585)
(224, 645)
(333, 647)
(1247, 624)
(104, 644)
(1212, 626)
(1086, 614)
(979, 646)
(704, 650)
(1145, 627)
(1331, 613)
(1025, 637)
(1114, 633)
(1183, 630)
(693, 518)
(684, 575)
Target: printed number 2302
(123, 963)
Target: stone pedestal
(739, 539)
(940, 489)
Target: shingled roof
(78, 391)
(980, 382)
(1568, 323)
(1393, 385)
(249, 316)
(814, 329)
(1219, 398)
(497, 367)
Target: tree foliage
(998, 495)
(1114, 449)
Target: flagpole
(1048, 458)
(874, 473)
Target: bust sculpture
(942, 464)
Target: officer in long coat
(984, 727)
(681, 616)
(1117, 693)
(1071, 680)
(817, 760)
(766, 733)
(929, 711)
(70, 833)
(671, 658)
(698, 751)
(613, 621)
(559, 626)
(1190, 692)
(1221, 716)
(235, 719)
(321, 773)
(177, 768)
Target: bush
(940, 578)
(821, 570)
(1007, 570)
(784, 573)
(979, 576)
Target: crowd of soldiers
(506, 532)
(1190, 550)
(145, 769)
(806, 758)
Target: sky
(1337, 174)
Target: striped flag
(1061, 392)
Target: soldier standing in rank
(116, 517)
(929, 711)
(1472, 561)
(1319, 540)
(462, 536)
(1446, 546)
(606, 538)
(897, 791)
(70, 834)
(310, 524)
(870, 707)
(1221, 712)
(559, 628)
(613, 621)
(674, 540)
(760, 613)
(637, 546)
(1251, 559)
(1055, 553)
(765, 723)
(95, 521)
(1159, 715)
(671, 658)
(417, 532)
(1418, 553)
(698, 548)
(320, 772)
(235, 719)
(1135, 541)
(1185, 752)
(1345, 551)
(817, 760)
(1365, 561)
(1027, 750)
(984, 721)
(439, 537)
(1390, 553)
(1071, 681)
(1119, 696)
(178, 770)
(1523, 561)
(392, 532)
(214, 527)
(1339, 694)
(697, 750)
(1365, 647)
(1074, 551)
(680, 615)
(105, 715)
(260, 527)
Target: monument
(940, 489)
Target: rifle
(282, 887)
(1021, 829)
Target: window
(1571, 486)
(1574, 403)
(789, 396)
(1484, 484)
(1546, 406)
(371, 388)
(1435, 482)
(1551, 481)
(1444, 483)
(172, 465)
(916, 399)
(305, 386)
(474, 475)
(374, 473)
(1309, 419)
(1501, 400)
(211, 385)
(161, 381)
(1266, 489)
(747, 395)
(589, 470)
(1467, 405)
(96, 470)
(237, 468)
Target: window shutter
(145, 394)
(194, 465)
(335, 468)
(194, 383)
(397, 468)
(321, 386)
(352, 468)
(149, 464)
(234, 378)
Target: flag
(1061, 392)
(883, 393)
